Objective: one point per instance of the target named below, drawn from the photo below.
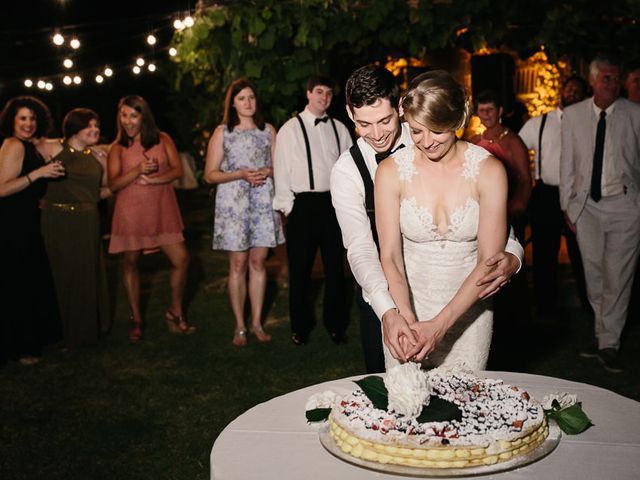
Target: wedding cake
(477, 421)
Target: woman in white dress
(440, 213)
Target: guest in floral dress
(239, 161)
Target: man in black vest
(307, 147)
(372, 103)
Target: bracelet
(28, 179)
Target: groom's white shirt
(347, 195)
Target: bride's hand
(429, 336)
(397, 335)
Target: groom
(373, 95)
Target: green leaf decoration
(373, 387)
(317, 414)
(571, 420)
(439, 410)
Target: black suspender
(358, 159)
(308, 147)
(335, 131)
(306, 143)
(544, 120)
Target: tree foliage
(278, 43)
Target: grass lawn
(154, 409)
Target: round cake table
(273, 440)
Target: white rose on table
(324, 399)
(564, 399)
(408, 389)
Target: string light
(136, 69)
(188, 22)
(41, 84)
(67, 80)
(151, 40)
(140, 61)
(173, 52)
(99, 78)
(58, 39)
(178, 25)
(48, 86)
(151, 67)
(75, 43)
(28, 83)
(77, 80)
(68, 63)
(108, 72)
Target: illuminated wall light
(173, 52)
(58, 39)
(136, 69)
(75, 43)
(151, 40)
(68, 63)
(49, 86)
(108, 72)
(178, 25)
(41, 84)
(188, 22)
(151, 67)
(77, 80)
(28, 83)
(99, 78)
(67, 80)
(140, 61)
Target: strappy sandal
(178, 324)
(239, 337)
(260, 334)
(135, 334)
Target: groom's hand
(499, 270)
(394, 329)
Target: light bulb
(178, 25)
(75, 43)
(140, 61)
(108, 72)
(151, 67)
(67, 80)
(48, 86)
(99, 78)
(173, 52)
(188, 22)
(68, 63)
(41, 84)
(136, 69)
(58, 39)
(28, 83)
(77, 80)
(151, 40)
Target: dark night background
(111, 33)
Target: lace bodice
(417, 222)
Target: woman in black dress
(28, 312)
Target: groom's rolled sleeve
(347, 195)
(514, 248)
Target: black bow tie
(391, 151)
(318, 120)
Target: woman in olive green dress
(71, 229)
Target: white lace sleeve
(472, 158)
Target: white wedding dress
(439, 253)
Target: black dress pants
(312, 224)
(370, 336)
(547, 225)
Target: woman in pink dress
(143, 161)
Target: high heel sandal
(239, 337)
(260, 334)
(177, 324)
(135, 334)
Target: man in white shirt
(307, 147)
(599, 194)
(543, 135)
(372, 103)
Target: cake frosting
(498, 422)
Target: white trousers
(608, 234)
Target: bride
(440, 213)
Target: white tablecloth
(273, 440)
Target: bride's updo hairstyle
(437, 101)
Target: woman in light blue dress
(239, 161)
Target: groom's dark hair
(369, 84)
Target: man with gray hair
(599, 183)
